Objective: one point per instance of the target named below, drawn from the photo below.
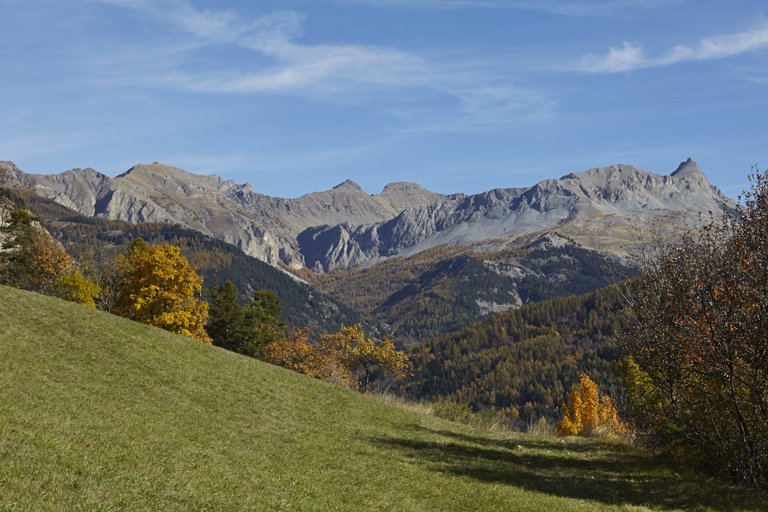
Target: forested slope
(444, 289)
(523, 361)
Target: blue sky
(457, 95)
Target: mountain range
(345, 226)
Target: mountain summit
(346, 226)
(686, 169)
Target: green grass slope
(99, 413)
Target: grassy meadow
(99, 413)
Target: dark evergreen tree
(225, 317)
(243, 329)
(261, 323)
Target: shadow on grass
(582, 469)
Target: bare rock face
(6, 207)
(345, 226)
(262, 226)
(616, 193)
(8, 172)
(403, 195)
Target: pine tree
(225, 317)
(248, 329)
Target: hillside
(99, 413)
(444, 289)
(524, 361)
(92, 238)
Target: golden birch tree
(162, 289)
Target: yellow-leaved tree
(339, 358)
(74, 287)
(361, 352)
(162, 289)
(587, 415)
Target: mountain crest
(348, 184)
(401, 186)
(346, 226)
(687, 169)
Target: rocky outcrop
(6, 207)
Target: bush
(697, 379)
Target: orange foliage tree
(586, 414)
(32, 260)
(339, 357)
(299, 353)
(162, 289)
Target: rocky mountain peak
(687, 169)
(88, 175)
(347, 185)
(8, 173)
(154, 168)
(402, 195)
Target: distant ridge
(345, 226)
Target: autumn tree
(697, 367)
(361, 352)
(162, 289)
(74, 287)
(32, 260)
(243, 329)
(587, 414)
(298, 352)
(342, 358)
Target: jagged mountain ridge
(592, 196)
(346, 226)
(264, 227)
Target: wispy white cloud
(246, 161)
(568, 8)
(631, 56)
(618, 59)
(295, 66)
(342, 73)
